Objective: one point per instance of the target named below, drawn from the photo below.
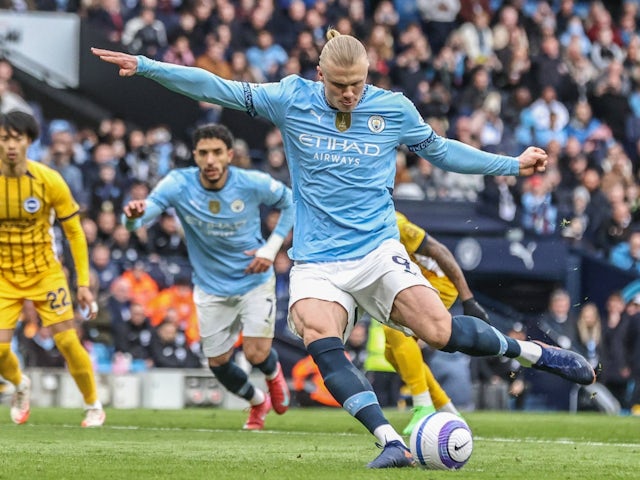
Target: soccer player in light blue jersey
(340, 137)
(219, 207)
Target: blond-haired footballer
(32, 197)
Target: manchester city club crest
(31, 205)
(376, 123)
(237, 206)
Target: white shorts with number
(221, 319)
(370, 283)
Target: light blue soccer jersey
(220, 225)
(341, 166)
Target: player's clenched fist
(134, 209)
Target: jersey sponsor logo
(376, 123)
(344, 146)
(237, 206)
(31, 205)
(214, 206)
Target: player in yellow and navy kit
(439, 266)
(32, 197)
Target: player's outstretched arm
(128, 64)
(533, 160)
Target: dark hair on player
(213, 130)
(20, 122)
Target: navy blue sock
(347, 384)
(234, 379)
(474, 337)
(269, 365)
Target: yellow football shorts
(48, 291)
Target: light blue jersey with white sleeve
(341, 165)
(220, 225)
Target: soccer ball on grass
(441, 441)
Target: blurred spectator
(544, 120)
(242, 71)
(90, 230)
(10, 100)
(548, 70)
(473, 96)
(604, 50)
(575, 222)
(487, 125)
(59, 156)
(106, 222)
(288, 23)
(101, 263)
(142, 285)
(411, 60)
(266, 56)
(106, 16)
(499, 381)
(581, 71)
(276, 165)
(118, 303)
(166, 238)
(307, 53)
(615, 373)
(633, 355)
(176, 302)
(134, 335)
(169, 351)
(599, 209)
(500, 198)
(404, 186)
(356, 345)
(539, 213)
(37, 347)
(558, 325)
(308, 386)
(179, 51)
(584, 127)
(626, 255)
(145, 34)
(125, 248)
(589, 326)
(609, 98)
(439, 20)
(213, 59)
(477, 41)
(107, 192)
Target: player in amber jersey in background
(32, 196)
(439, 266)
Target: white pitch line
(559, 441)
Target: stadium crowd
(499, 75)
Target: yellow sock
(9, 365)
(79, 364)
(404, 354)
(438, 396)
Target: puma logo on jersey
(317, 115)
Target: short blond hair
(341, 50)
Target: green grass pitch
(305, 444)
